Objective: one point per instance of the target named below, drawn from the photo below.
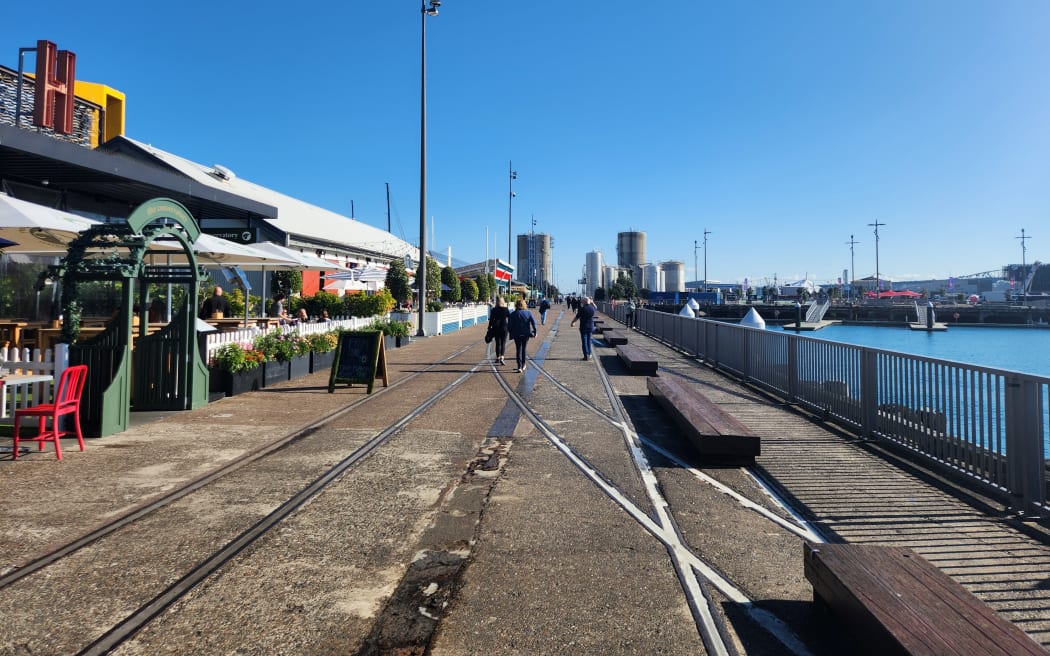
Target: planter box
(274, 372)
(321, 361)
(298, 366)
(244, 381)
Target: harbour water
(1026, 350)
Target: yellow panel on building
(111, 123)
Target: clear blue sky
(781, 127)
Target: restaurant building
(62, 144)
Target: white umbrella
(341, 286)
(305, 260)
(36, 228)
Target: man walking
(585, 317)
(545, 305)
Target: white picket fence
(26, 362)
(215, 341)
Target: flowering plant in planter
(391, 327)
(282, 347)
(323, 342)
(236, 358)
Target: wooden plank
(637, 360)
(739, 446)
(614, 338)
(902, 604)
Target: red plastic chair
(67, 401)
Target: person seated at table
(215, 306)
(301, 316)
(277, 310)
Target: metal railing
(987, 424)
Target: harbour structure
(674, 275)
(653, 278)
(593, 272)
(630, 254)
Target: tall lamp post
(432, 10)
(696, 249)
(878, 284)
(706, 233)
(852, 267)
(1024, 268)
(512, 176)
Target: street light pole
(706, 233)
(1024, 268)
(878, 284)
(512, 176)
(852, 267)
(696, 267)
(421, 281)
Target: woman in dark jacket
(522, 326)
(498, 318)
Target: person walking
(585, 317)
(545, 305)
(522, 327)
(630, 313)
(499, 317)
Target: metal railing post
(1025, 459)
(869, 392)
(792, 370)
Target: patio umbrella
(341, 286)
(304, 260)
(32, 228)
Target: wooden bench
(636, 360)
(717, 435)
(896, 602)
(614, 338)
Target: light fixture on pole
(878, 284)
(421, 279)
(706, 233)
(513, 175)
(852, 268)
(696, 249)
(1024, 267)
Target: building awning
(49, 165)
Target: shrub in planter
(322, 350)
(280, 346)
(238, 368)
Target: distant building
(630, 254)
(534, 259)
(502, 271)
(592, 276)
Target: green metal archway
(165, 371)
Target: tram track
(56, 553)
(694, 572)
(439, 386)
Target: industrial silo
(674, 275)
(653, 278)
(593, 272)
(630, 250)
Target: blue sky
(782, 128)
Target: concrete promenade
(469, 531)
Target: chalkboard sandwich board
(360, 357)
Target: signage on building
(55, 75)
(239, 235)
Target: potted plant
(395, 333)
(322, 350)
(278, 351)
(238, 367)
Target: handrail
(990, 425)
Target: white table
(14, 391)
